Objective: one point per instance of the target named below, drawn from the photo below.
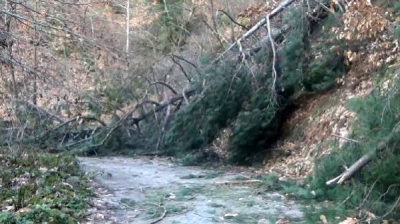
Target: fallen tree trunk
(260, 24)
(191, 91)
(346, 175)
(187, 93)
(363, 161)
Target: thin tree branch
(187, 61)
(182, 69)
(261, 23)
(166, 85)
(233, 21)
(347, 139)
(274, 73)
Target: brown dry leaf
(349, 220)
(370, 214)
(22, 210)
(282, 221)
(323, 219)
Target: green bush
(397, 32)
(257, 124)
(375, 188)
(397, 8)
(198, 124)
(41, 188)
(241, 98)
(293, 55)
(171, 25)
(324, 70)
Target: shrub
(397, 33)
(41, 188)
(375, 188)
(198, 124)
(257, 125)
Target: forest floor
(158, 190)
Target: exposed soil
(154, 190)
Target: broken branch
(174, 99)
(166, 85)
(261, 23)
(364, 160)
(161, 217)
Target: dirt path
(145, 190)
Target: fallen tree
(364, 160)
(100, 135)
(183, 97)
(256, 27)
(264, 109)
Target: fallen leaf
(323, 219)
(349, 220)
(282, 221)
(370, 214)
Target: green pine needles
(376, 187)
(241, 98)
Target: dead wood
(161, 217)
(172, 100)
(166, 85)
(136, 121)
(40, 112)
(346, 175)
(66, 123)
(237, 182)
(260, 24)
(364, 160)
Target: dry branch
(105, 138)
(181, 68)
(79, 118)
(39, 110)
(233, 20)
(136, 121)
(237, 182)
(261, 23)
(166, 85)
(161, 217)
(187, 61)
(364, 160)
(345, 138)
(174, 99)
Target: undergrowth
(41, 188)
(172, 26)
(375, 189)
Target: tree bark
(364, 160)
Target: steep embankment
(324, 121)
